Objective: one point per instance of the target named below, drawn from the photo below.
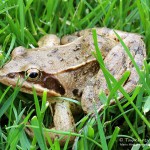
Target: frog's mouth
(45, 83)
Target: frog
(66, 67)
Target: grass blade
(113, 138)
(38, 134)
(101, 131)
(22, 18)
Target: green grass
(23, 22)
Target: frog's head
(24, 65)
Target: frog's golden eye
(33, 74)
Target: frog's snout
(3, 72)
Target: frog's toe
(18, 51)
(49, 40)
(68, 39)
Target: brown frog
(66, 67)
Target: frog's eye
(33, 74)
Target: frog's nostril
(11, 75)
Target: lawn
(125, 125)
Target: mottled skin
(70, 70)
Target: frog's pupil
(33, 75)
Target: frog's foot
(63, 122)
(117, 62)
(49, 40)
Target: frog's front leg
(63, 121)
(117, 62)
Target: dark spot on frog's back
(77, 93)
(77, 47)
(54, 50)
(52, 83)
(60, 58)
(49, 54)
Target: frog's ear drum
(52, 83)
(18, 51)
